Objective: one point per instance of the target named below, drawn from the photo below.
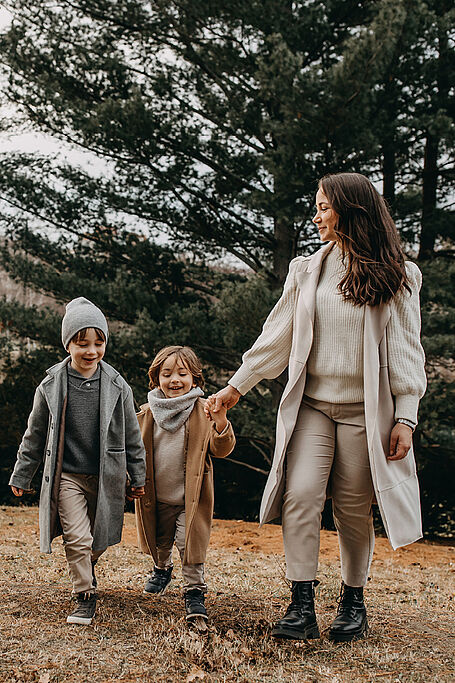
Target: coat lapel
(302, 340)
(55, 388)
(196, 442)
(110, 391)
(375, 322)
(307, 281)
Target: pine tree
(208, 123)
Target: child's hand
(209, 406)
(17, 492)
(133, 492)
(218, 417)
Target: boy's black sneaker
(158, 581)
(85, 609)
(194, 604)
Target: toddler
(178, 503)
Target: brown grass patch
(135, 638)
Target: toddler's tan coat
(201, 442)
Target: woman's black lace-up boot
(299, 622)
(351, 621)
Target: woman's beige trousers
(328, 444)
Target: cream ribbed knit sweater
(169, 465)
(269, 355)
(335, 363)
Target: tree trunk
(429, 197)
(284, 234)
(430, 168)
(388, 171)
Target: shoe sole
(83, 621)
(190, 617)
(293, 634)
(151, 593)
(347, 637)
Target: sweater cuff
(20, 482)
(406, 406)
(244, 379)
(220, 435)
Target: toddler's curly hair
(185, 355)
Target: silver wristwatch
(408, 423)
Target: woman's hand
(17, 492)
(400, 441)
(225, 398)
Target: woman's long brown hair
(368, 238)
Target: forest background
(189, 136)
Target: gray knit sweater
(82, 424)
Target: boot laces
(348, 602)
(302, 600)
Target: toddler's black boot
(194, 604)
(158, 581)
(351, 620)
(299, 622)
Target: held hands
(218, 404)
(400, 441)
(218, 416)
(17, 492)
(134, 492)
(225, 398)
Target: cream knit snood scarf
(171, 413)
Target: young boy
(178, 502)
(83, 428)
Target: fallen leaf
(196, 674)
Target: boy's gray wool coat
(121, 451)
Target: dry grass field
(410, 600)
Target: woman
(347, 327)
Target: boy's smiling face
(175, 378)
(86, 353)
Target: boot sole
(294, 634)
(83, 621)
(347, 637)
(151, 593)
(191, 617)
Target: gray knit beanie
(81, 313)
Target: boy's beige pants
(328, 443)
(76, 508)
(170, 529)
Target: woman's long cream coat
(395, 482)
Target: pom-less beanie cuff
(82, 313)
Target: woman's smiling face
(175, 378)
(326, 219)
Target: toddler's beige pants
(170, 529)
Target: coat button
(47, 478)
(48, 453)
